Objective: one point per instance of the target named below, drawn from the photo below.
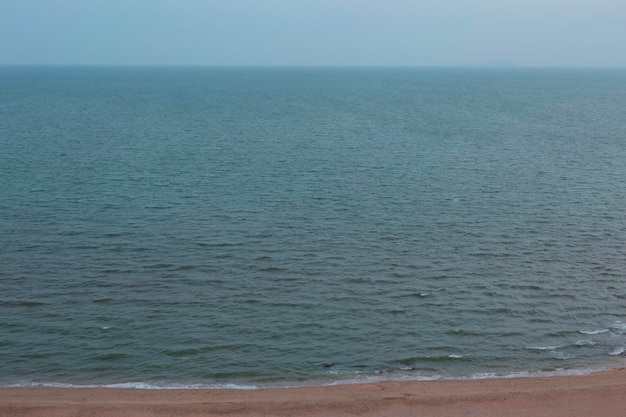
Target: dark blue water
(303, 225)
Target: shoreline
(598, 393)
(617, 364)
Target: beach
(600, 394)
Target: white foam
(585, 342)
(592, 332)
(47, 385)
(484, 375)
(542, 347)
(146, 385)
(619, 325)
(618, 351)
(562, 355)
(134, 385)
(357, 379)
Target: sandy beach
(600, 394)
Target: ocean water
(278, 226)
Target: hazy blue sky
(313, 32)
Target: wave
(593, 332)
(543, 347)
(134, 385)
(22, 303)
(360, 379)
(585, 342)
(619, 325)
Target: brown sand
(600, 394)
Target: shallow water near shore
(276, 226)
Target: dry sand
(599, 394)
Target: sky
(314, 32)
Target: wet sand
(600, 394)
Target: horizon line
(486, 65)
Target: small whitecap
(619, 325)
(557, 354)
(585, 342)
(542, 347)
(592, 332)
(618, 351)
(453, 356)
(105, 327)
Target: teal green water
(249, 226)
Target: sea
(245, 227)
